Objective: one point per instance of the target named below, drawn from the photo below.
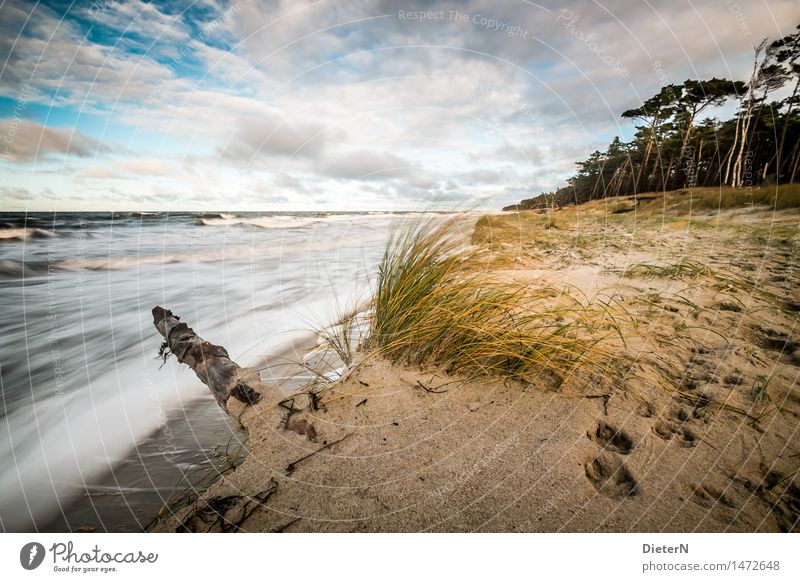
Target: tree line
(675, 146)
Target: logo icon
(31, 555)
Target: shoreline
(129, 495)
(695, 429)
(180, 456)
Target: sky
(338, 104)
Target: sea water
(82, 389)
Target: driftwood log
(211, 363)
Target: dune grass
(529, 227)
(430, 309)
(682, 201)
(342, 337)
(721, 281)
(679, 270)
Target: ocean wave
(14, 269)
(216, 221)
(286, 222)
(17, 234)
(11, 269)
(283, 221)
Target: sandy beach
(687, 422)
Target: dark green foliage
(675, 149)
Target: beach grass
(683, 201)
(431, 308)
(342, 337)
(681, 269)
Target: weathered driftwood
(211, 363)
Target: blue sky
(369, 104)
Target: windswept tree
(693, 148)
(786, 53)
(760, 77)
(653, 112)
(697, 96)
(771, 77)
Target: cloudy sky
(338, 104)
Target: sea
(97, 432)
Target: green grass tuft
(429, 309)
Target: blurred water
(79, 380)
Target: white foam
(24, 233)
(61, 441)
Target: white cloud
(51, 61)
(368, 165)
(134, 19)
(348, 100)
(25, 141)
(268, 132)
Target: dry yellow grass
(431, 309)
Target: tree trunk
(736, 179)
(738, 170)
(733, 147)
(657, 165)
(690, 124)
(647, 151)
(211, 363)
(668, 175)
(593, 193)
(796, 162)
(779, 153)
(697, 164)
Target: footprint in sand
(665, 430)
(769, 339)
(688, 438)
(606, 472)
(610, 477)
(707, 496)
(611, 439)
